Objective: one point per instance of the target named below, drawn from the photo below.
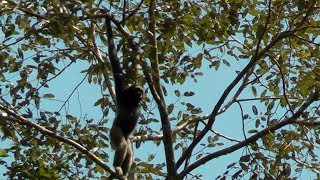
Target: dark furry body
(123, 125)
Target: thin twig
(65, 102)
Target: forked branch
(17, 118)
(293, 119)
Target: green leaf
(177, 93)
(254, 91)
(3, 153)
(170, 108)
(189, 93)
(245, 158)
(48, 95)
(254, 110)
(226, 62)
(197, 62)
(252, 131)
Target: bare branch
(258, 99)
(147, 138)
(242, 121)
(65, 102)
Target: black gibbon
(123, 125)
(128, 100)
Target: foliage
(272, 47)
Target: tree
(273, 45)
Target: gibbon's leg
(126, 165)
(132, 176)
(120, 144)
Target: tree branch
(293, 119)
(255, 58)
(283, 84)
(197, 119)
(102, 63)
(166, 126)
(96, 52)
(132, 13)
(65, 102)
(14, 117)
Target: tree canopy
(55, 53)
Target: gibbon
(128, 98)
(123, 125)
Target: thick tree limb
(166, 126)
(293, 119)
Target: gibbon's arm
(114, 60)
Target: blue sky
(208, 89)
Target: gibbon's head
(132, 95)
